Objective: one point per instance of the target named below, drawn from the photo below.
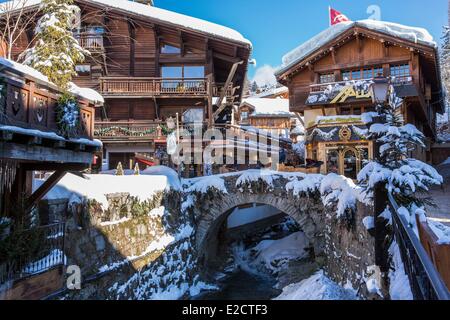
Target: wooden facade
(334, 127)
(149, 70)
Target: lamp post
(380, 95)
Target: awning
(146, 162)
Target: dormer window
(170, 49)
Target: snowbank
(272, 253)
(441, 231)
(317, 287)
(96, 187)
(399, 286)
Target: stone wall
(350, 251)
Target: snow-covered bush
(403, 177)
(56, 52)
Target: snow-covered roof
(164, 16)
(86, 93)
(271, 92)
(413, 34)
(268, 107)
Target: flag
(337, 17)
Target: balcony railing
(136, 130)
(46, 252)
(127, 86)
(321, 87)
(90, 41)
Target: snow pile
(441, 231)
(205, 184)
(413, 34)
(273, 254)
(96, 187)
(172, 175)
(250, 176)
(304, 184)
(399, 286)
(368, 222)
(264, 107)
(85, 93)
(317, 287)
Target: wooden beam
(44, 188)
(132, 33)
(53, 166)
(44, 154)
(224, 57)
(224, 91)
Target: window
(194, 115)
(244, 115)
(327, 78)
(83, 69)
(169, 49)
(183, 72)
(362, 74)
(346, 111)
(400, 70)
(357, 111)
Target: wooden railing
(134, 86)
(321, 87)
(111, 130)
(31, 104)
(90, 41)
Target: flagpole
(329, 16)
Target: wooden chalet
(30, 140)
(269, 114)
(150, 65)
(329, 78)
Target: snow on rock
(273, 253)
(172, 175)
(399, 286)
(204, 184)
(85, 93)
(305, 184)
(413, 34)
(368, 222)
(96, 187)
(316, 287)
(249, 176)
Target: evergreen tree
(136, 169)
(443, 121)
(255, 87)
(56, 51)
(403, 177)
(119, 170)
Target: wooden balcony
(321, 87)
(131, 131)
(92, 42)
(153, 87)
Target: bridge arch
(213, 210)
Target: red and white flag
(337, 17)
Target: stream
(242, 285)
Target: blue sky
(277, 26)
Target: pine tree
(136, 169)
(119, 170)
(56, 51)
(403, 177)
(443, 121)
(255, 87)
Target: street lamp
(379, 90)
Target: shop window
(350, 164)
(333, 161)
(346, 111)
(357, 111)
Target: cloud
(265, 75)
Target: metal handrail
(423, 261)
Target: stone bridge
(342, 241)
